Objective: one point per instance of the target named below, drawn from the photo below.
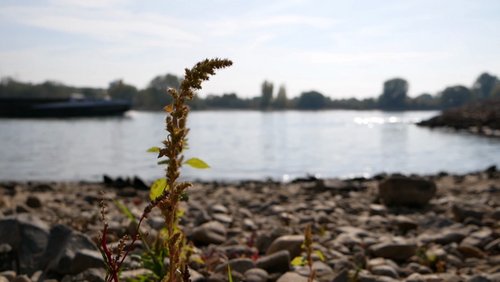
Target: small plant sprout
(166, 193)
(174, 145)
(307, 259)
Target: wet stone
(291, 243)
(278, 262)
(33, 202)
(385, 270)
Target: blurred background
(324, 88)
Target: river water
(241, 145)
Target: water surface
(241, 145)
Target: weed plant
(168, 192)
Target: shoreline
(257, 227)
(236, 181)
(478, 118)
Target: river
(241, 145)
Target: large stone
(85, 259)
(406, 191)
(70, 252)
(28, 237)
(211, 232)
(291, 243)
(394, 251)
(278, 262)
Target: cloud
(87, 3)
(231, 26)
(105, 25)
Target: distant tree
(155, 96)
(496, 91)
(484, 85)
(424, 101)
(120, 90)
(266, 95)
(281, 100)
(311, 100)
(394, 94)
(455, 96)
(96, 93)
(226, 101)
(162, 82)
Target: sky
(339, 48)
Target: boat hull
(61, 108)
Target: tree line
(394, 95)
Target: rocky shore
(389, 228)
(481, 118)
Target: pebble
(406, 191)
(394, 251)
(257, 229)
(291, 243)
(21, 278)
(256, 275)
(470, 251)
(8, 274)
(385, 270)
(212, 232)
(278, 262)
(33, 202)
(240, 265)
(292, 277)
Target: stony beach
(388, 228)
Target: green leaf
(298, 261)
(197, 163)
(320, 255)
(125, 210)
(229, 274)
(157, 188)
(154, 150)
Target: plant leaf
(157, 188)
(298, 261)
(125, 210)
(154, 150)
(197, 163)
(320, 255)
(229, 274)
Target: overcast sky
(340, 48)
